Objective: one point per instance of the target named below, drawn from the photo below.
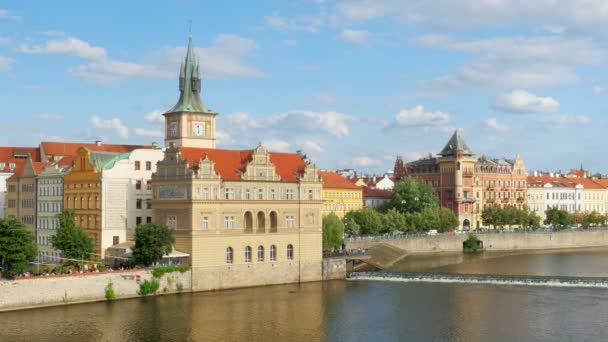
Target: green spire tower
(189, 123)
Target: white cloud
(353, 36)
(50, 117)
(114, 124)
(225, 58)
(155, 116)
(564, 120)
(68, 46)
(6, 14)
(418, 117)
(521, 101)
(223, 138)
(599, 90)
(334, 123)
(364, 161)
(494, 125)
(311, 146)
(565, 16)
(513, 62)
(142, 132)
(6, 63)
(310, 23)
(276, 145)
(52, 33)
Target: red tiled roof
(8, 153)
(540, 181)
(372, 192)
(335, 180)
(70, 149)
(588, 183)
(19, 164)
(576, 173)
(39, 167)
(229, 164)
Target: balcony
(469, 200)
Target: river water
(376, 310)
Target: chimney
(535, 173)
(98, 142)
(154, 144)
(551, 175)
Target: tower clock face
(173, 130)
(198, 129)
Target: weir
(549, 281)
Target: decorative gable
(206, 169)
(260, 167)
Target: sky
(351, 83)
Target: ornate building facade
(339, 194)
(467, 184)
(245, 217)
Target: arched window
(274, 221)
(248, 222)
(261, 222)
(289, 252)
(260, 253)
(247, 254)
(273, 253)
(229, 255)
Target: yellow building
(339, 194)
(594, 194)
(245, 217)
(82, 195)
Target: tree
(152, 241)
(447, 220)
(393, 220)
(351, 227)
(413, 195)
(490, 215)
(368, 220)
(532, 220)
(17, 247)
(70, 239)
(333, 231)
(558, 218)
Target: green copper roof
(456, 144)
(190, 85)
(106, 160)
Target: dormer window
(12, 166)
(2, 166)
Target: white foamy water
(484, 279)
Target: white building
(127, 191)
(546, 191)
(386, 183)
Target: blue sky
(352, 83)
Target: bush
(333, 231)
(159, 272)
(472, 244)
(148, 287)
(179, 287)
(102, 268)
(58, 269)
(110, 294)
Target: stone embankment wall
(493, 242)
(334, 268)
(49, 291)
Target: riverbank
(37, 292)
(491, 241)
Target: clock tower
(189, 123)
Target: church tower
(189, 123)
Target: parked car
(432, 232)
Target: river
(356, 310)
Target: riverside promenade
(492, 240)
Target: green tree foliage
(593, 219)
(17, 247)
(509, 215)
(393, 220)
(70, 239)
(558, 218)
(351, 227)
(333, 231)
(472, 244)
(152, 241)
(447, 220)
(413, 195)
(368, 220)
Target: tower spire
(189, 83)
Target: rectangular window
(260, 194)
(138, 220)
(149, 185)
(172, 221)
(272, 194)
(148, 204)
(289, 194)
(137, 165)
(115, 240)
(229, 193)
(138, 185)
(148, 166)
(149, 219)
(138, 203)
(310, 195)
(247, 194)
(205, 222)
(205, 193)
(229, 222)
(290, 221)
